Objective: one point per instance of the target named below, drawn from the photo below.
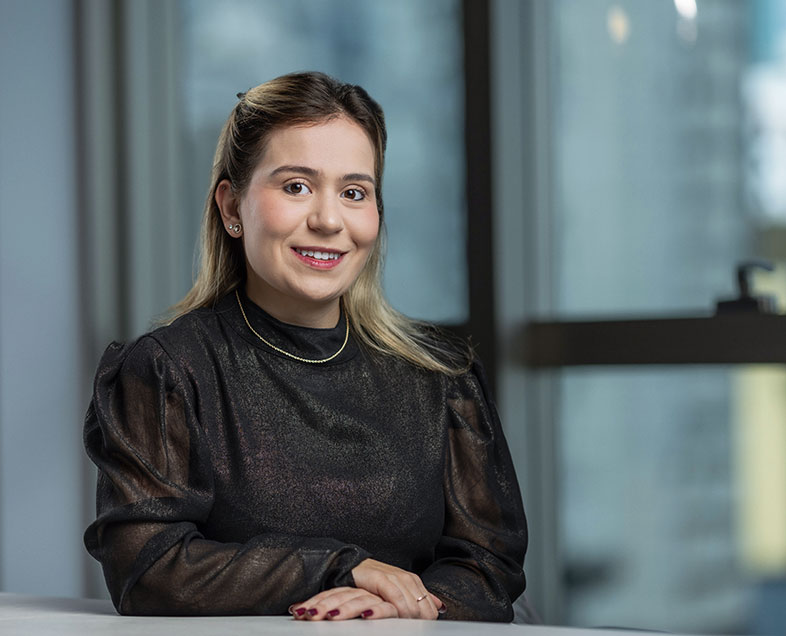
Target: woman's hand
(401, 589)
(341, 603)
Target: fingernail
(367, 613)
(290, 609)
(313, 611)
(332, 613)
(300, 611)
(442, 609)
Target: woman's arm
(478, 568)
(155, 489)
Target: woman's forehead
(339, 144)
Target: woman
(289, 442)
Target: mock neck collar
(312, 343)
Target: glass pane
(668, 132)
(647, 131)
(649, 500)
(408, 55)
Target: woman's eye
(297, 188)
(354, 194)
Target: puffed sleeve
(155, 489)
(478, 568)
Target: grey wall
(41, 400)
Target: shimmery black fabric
(234, 480)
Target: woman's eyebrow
(360, 176)
(313, 173)
(310, 172)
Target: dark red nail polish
(332, 613)
(442, 609)
(367, 613)
(300, 611)
(313, 611)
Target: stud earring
(235, 228)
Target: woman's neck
(302, 313)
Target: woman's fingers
(318, 605)
(299, 610)
(438, 604)
(343, 603)
(426, 606)
(369, 606)
(398, 587)
(397, 595)
(380, 610)
(389, 583)
(396, 592)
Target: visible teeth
(322, 256)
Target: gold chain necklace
(286, 353)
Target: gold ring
(420, 598)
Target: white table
(39, 616)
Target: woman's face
(309, 219)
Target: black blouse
(235, 480)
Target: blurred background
(548, 160)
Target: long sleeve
(155, 492)
(478, 561)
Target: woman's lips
(319, 258)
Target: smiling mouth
(319, 255)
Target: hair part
(302, 99)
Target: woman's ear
(227, 204)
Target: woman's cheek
(372, 228)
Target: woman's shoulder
(186, 332)
(460, 372)
(180, 344)
(467, 374)
(451, 350)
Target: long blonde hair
(301, 98)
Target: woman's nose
(326, 216)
